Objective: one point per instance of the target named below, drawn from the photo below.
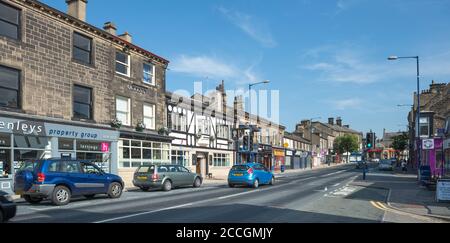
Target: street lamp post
(250, 109)
(419, 152)
(310, 136)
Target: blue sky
(327, 58)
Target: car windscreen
(147, 169)
(239, 167)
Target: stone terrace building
(63, 82)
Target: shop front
(447, 157)
(278, 159)
(22, 140)
(289, 159)
(433, 155)
(265, 155)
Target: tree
(400, 143)
(346, 144)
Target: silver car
(165, 177)
(386, 164)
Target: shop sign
(277, 152)
(289, 153)
(105, 147)
(428, 144)
(137, 89)
(22, 127)
(443, 190)
(92, 146)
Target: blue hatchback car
(60, 179)
(250, 174)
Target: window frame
(153, 115)
(19, 24)
(153, 81)
(128, 113)
(91, 51)
(91, 105)
(128, 65)
(19, 88)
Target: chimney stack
(110, 27)
(347, 126)
(126, 37)
(331, 121)
(339, 121)
(77, 9)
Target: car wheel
(256, 183)
(272, 181)
(167, 186)
(145, 189)
(115, 190)
(230, 185)
(32, 200)
(197, 182)
(61, 196)
(90, 196)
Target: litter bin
(282, 168)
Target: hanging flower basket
(116, 123)
(164, 131)
(140, 127)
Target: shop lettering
(22, 127)
(64, 133)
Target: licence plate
(238, 174)
(142, 177)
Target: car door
(75, 176)
(96, 180)
(268, 174)
(186, 176)
(260, 173)
(175, 175)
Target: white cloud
(203, 66)
(212, 67)
(251, 26)
(351, 103)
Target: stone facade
(43, 54)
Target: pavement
(406, 196)
(311, 196)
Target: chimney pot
(339, 121)
(110, 27)
(331, 121)
(77, 9)
(126, 37)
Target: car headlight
(9, 198)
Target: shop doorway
(201, 165)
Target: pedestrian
(404, 169)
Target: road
(323, 195)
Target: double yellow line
(379, 205)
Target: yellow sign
(277, 152)
(286, 145)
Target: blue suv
(250, 174)
(60, 179)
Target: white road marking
(337, 184)
(235, 195)
(334, 173)
(143, 213)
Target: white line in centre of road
(335, 173)
(235, 195)
(143, 213)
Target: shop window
(149, 73)
(149, 116)
(65, 144)
(123, 64)
(5, 155)
(82, 48)
(82, 102)
(123, 110)
(9, 21)
(9, 87)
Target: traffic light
(369, 140)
